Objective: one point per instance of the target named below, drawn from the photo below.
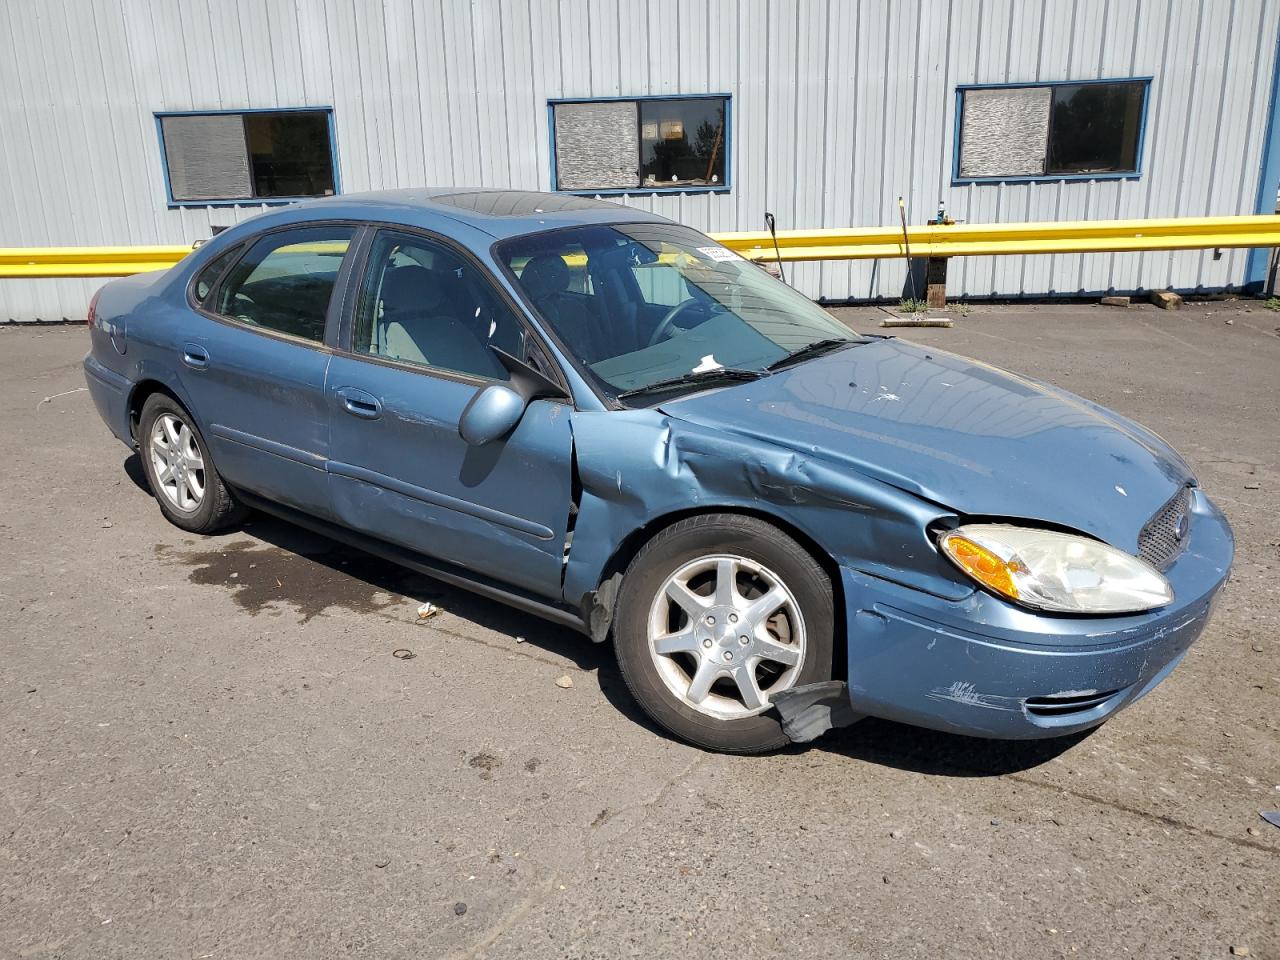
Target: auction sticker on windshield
(719, 254)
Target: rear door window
(208, 277)
(285, 281)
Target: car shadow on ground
(309, 573)
(932, 752)
(271, 564)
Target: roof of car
(500, 213)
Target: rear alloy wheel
(716, 615)
(177, 463)
(180, 470)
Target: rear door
(425, 316)
(255, 368)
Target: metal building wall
(839, 106)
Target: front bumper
(987, 668)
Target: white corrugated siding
(838, 107)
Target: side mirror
(492, 413)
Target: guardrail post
(935, 283)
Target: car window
(660, 283)
(285, 281)
(208, 277)
(425, 304)
(662, 302)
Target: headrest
(545, 275)
(411, 288)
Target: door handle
(360, 403)
(195, 356)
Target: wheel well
(634, 541)
(141, 392)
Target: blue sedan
(611, 421)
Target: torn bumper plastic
(987, 668)
(811, 710)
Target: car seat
(547, 279)
(416, 324)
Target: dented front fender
(637, 467)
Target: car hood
(960, 433)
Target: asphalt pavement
(209, 750)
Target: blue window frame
(608, 146)
(213, 158)
(1050, 131)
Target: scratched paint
(967, 694)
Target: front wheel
(716, 614)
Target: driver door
(417, 351)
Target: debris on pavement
(565, 682)
(917, 322)
(520, 640)
(381, 864)
(1240, 950)
(1166, 299)
(459, 908)
(65, 393)
(1114, 301)
(403, 654)
(427, 611)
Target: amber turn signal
(981, 564)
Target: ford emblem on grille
(1180, 528)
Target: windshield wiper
(697, 378)
(815, 349)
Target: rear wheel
(717, 614)
(180, 469)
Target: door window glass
(660, 283)
(285, 281)
(208, 277)
(425, 304)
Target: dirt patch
(486, 763)
(264, 577)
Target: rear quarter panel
(128, 344)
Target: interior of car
(425, 305)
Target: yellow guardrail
(34, 262)
(860, 243)
(1003, 239)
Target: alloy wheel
(177, 463)
(725, 633)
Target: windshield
(643, 304)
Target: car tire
(180, 469)
(663, 648)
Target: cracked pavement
(207, 748)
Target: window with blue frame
(640, 145)
(248, 156)
(1050, 131)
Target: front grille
(1063, 705)
(1159, 542)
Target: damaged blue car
(611, 421)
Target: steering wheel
(664, 326)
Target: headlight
(1055, 571)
